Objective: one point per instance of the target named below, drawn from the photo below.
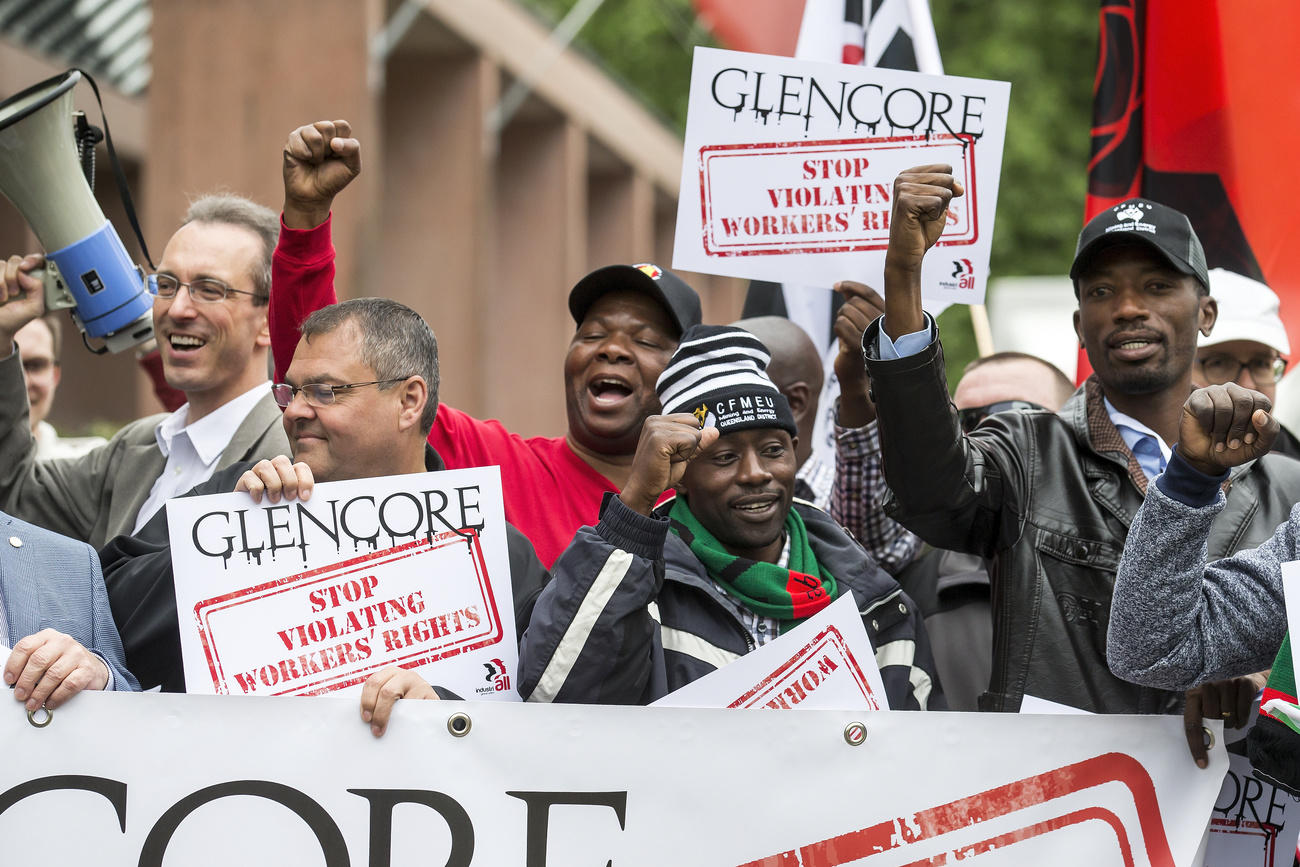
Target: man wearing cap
(629, 319)
(654, 597)
(1248, 346)
(1048, 497)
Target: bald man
(851, 490)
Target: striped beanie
(719, 373)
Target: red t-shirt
(549, 491)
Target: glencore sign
(788, 169)
(154, 779)
(301, 598)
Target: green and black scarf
(786, 595)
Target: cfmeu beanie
(719, 373)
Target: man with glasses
(359, 400)
(209, 319)
(39, 344)
(1248, 345)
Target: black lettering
(837, 109)
(322, 826)
(114, 791)
(272, 526)
(738, 107)
(853, 110)
(892, 120)
(382, 802)
(465, 508)
(383, 515)
(332, 531)
(230, 540)
(539, 813)
(967, 114)
(343, 521)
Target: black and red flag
(1196, 106)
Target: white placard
(147, 780)
(824, 663)
(788, 170)
(303, 598)
(1254, 824)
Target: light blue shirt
(1146, 445)
(1148, 448)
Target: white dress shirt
(192, 450)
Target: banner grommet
(459, 724)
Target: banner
(788, 169)
(825, 662)
(151, 779)
(301, 598)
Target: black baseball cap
(679, 299)
(1160, 227)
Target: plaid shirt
(856, 498)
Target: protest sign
(146, 780)
(1254, 823)
(826, 662)
(299, 598)
(788, 169)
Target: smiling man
(209, 317)
(654, 597)
(629, 318)
(1048, 497)
(358, 400)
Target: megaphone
(87, 268)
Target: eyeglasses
(972, 416)
(320, 393)
(206, 290)
(1219, 368)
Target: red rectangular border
(204, 609)
(710, 152)
(964, 812)
(830, 635)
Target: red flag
(1195, 106)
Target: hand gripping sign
(788, 169)
(304, 598)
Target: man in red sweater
(629, 319)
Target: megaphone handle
(57, 296)
(118, 174)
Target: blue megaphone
(87, 268)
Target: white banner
(789, 165)
(302, 598)
(825, 663)
(120, 779)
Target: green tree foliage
(1048, 51)
(645, 44)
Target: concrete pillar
(437, 227)
(220, 112)
(620, 218)
(541, 195)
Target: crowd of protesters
(1115, 548)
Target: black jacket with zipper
(631, 615)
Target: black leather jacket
(1048, 497)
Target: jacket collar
(1085, 412)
